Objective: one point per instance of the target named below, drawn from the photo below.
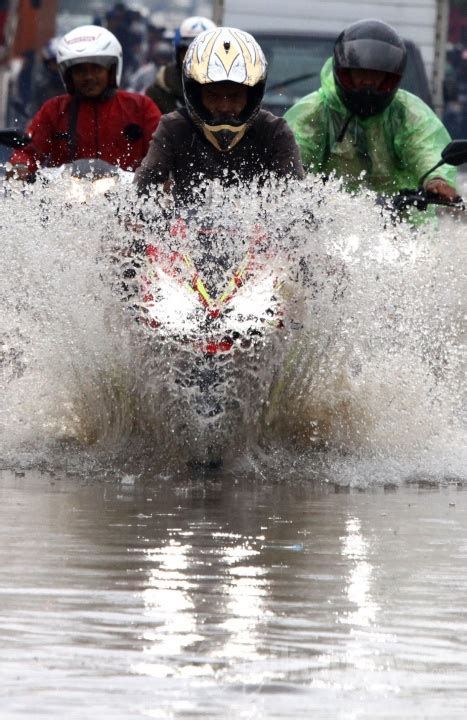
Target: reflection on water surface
(218, 598)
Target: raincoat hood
(328, 89)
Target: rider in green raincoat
(360, 126)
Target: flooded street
(321, 570)
(231, 597)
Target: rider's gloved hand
(443, 189)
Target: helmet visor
(387, 85)
(106, 61)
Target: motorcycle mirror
(453, 154)
(14, 139)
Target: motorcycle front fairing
(207, 302)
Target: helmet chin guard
(224, 136)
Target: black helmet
(368, 45)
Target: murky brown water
(223, 598)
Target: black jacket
(166, 90)
(180, 152)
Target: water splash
(365, 384)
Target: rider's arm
(158, 164)
(151, 117)
(283, 151)
(41, 129)
(307, 121)
(419, 139)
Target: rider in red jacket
(95, 119)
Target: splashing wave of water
(366, 381)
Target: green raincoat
(385, 153)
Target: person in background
(362, 127)
(167, 90)
(222, 133)
(155, 36)
(159, 52)
(47, 82)
(94, 120)
(126, 24)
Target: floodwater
(223, 597)
(321, 570)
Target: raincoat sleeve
(419, 139)
(307, 121)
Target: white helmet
(190, 28)
(89, 44)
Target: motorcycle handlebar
(419, 199)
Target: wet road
(231, 598)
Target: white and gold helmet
(220, 55)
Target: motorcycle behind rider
(95, 119)
(222, 133)
(360, 126)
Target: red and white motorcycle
(218, 316)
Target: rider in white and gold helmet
(224, 76)
(222, 133)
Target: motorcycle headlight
(253, 304)
(174, 306)
(82, 190)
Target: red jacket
(117, 130)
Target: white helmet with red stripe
(89, 44)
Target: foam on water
(367, 384)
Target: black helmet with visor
(368, 45)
